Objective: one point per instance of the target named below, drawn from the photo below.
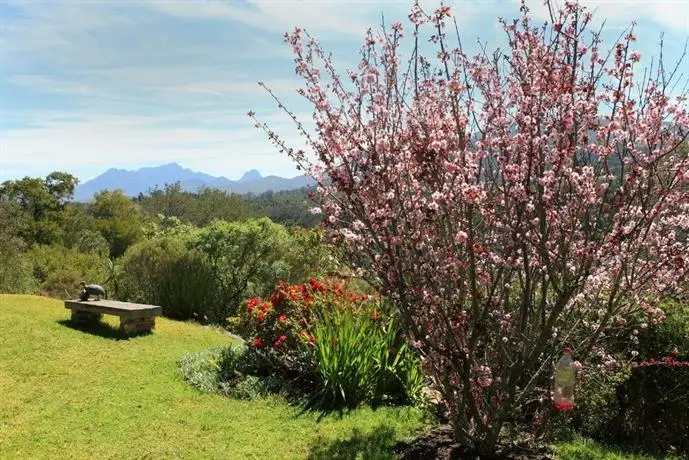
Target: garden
(499, 270)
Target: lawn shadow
(376, 445)
(100, 329)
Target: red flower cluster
(279, 341)
(284, 319)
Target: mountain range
(132, 183)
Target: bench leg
(131, 326)
(85, 317)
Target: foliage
(245, 258)
(95, 390)
(58, 270)
(15, 272)
(361, 359)
(236, 380)
(669, 337)
(113, 277)
(509, 204)
(204, 272)
(596, 405)
(654, 407)
(201, 369)
(118, 218)
(42, 201)
(288, 207)
(337, 345)
(310, 256)
(197, 208)
(90, 241)
(164, 271)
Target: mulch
(439, 445)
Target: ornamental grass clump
(509, 204)
(362, 359)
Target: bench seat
(134, 318)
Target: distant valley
(132, 183)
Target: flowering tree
(510, 204)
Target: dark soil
(439, 445)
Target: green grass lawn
(586, 449)
(66, 393)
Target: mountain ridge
(135, 182)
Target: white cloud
(671, 15)
(155, 81)
(90, 144)
(350, 18)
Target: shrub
(206, 272)
(58, 270)
(89, 241)
(654, 407)
(276, 328)
(337, 344)
(360, 358)
(309, 256)
(668, 337)
(237, 382)
(246, 258)
(596, 399)
(202, 369)
(163, 271)
(15, 270)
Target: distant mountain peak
(250, 175)
(144, 179)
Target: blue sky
(87, 85)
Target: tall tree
(42, 200)
(118, 218)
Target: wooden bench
(134, 318)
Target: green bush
(220, 370)
(596, 400)
(309, 256)
(654, 407)
(164, 271)
(237, 382)
(246, 258)
(201, 369)
(89, 241)
(15, 271)
(206, 272)
(669, 337)
(58, 270)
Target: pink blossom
(484, 377)
(515, 151)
